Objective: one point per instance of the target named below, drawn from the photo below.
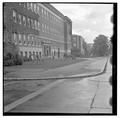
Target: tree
(100, 46)
(10, 47)
(11, 54)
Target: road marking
(30, 96)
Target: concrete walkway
(101, 103)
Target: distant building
(89, 48)
(77, 45)
(38, 29)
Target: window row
(31, 54)
(34, 24)
(25, 21)
(37, 9)
(22, 39)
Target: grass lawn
(44, 64)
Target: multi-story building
(38, 29)
(68, 35)
(77, 45)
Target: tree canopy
(100, 46)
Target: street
(74, 95)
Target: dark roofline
(76, 35)
(68, 19)
(53, 9)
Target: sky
(88, 20)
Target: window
(43, 27)
(14, 16)
(19, 19)
(20, 3)
(32, 23)
(32, 40)
(24, 4)
(24, 20)
(35, 8)
(30, 54)
(33, 54)
(28, 39)
(37, 55)
(40, 54)
(31, 6)
(24, 39)
(15, 38)
(21, 53)
(28, 5)
(20, 38)
(42, 11)
(38, 25)
(38, 9)
(25, 53)
(28, 22)
(45, 12)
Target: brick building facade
(38, 29)
(68, 35)
(77, 45)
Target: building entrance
(47, 50)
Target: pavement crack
(94, 97)
(102, 107)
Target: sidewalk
(86, 68)
(103, 94)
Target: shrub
(18, 60)
(11, 56)
(8, 56)
(26, 58)
(9, 62)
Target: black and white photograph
(59, 58)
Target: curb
(61, 77)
